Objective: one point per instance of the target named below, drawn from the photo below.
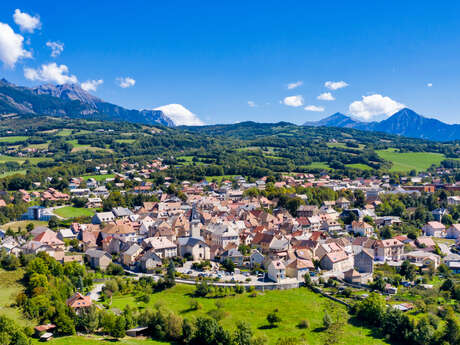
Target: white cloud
(11, 46)
(429, 84)
(252, 104)
(56, 48)
(374, 105)
(326, 96)
(335, 85)
(125, 82)
(180, 115)
(51, 72)
(293, 101)
(294, 85)
(26, 22)
(314, 108)
(91, 85)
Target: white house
(276, 270)
(362, 228)
(435, 229)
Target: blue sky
(214, 57)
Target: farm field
(21, 160)
(13, 139)
(73, 212)
(407, 161)
(294, 306)
(79, 147)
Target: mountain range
(72, 101)
(405, 122)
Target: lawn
(96, 340)
(13, 139)
(14, 226)
(9, 288)
(73, 212)
(294, 306)
(98, 177)
(407, 161)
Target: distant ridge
(405, 122)
(72, 101)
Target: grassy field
(9, 173)
(294, 306)
(79, 147)
(98, 177)
(318, 165)
(404, 162)
(22, 224)
(65, 132)
(73, 212)
(94, 340)
(13, 139)
(9, 288)
(219, 178)
(21, 160)
(359, 166)
(125, 141)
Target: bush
(273, 318)
(303, 324)
(195, 305)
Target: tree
(372, 309)
(273, 318)
(202, 289)
(118, 331)
(30, 227)
(171, 274)
(327, 321)
(423, 332)
(451, 329)
(408, 270)
(53, 222)
(229, 265)
(243, 334)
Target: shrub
(303, 324)
(195, 305)
(273, 318)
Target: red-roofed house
(78, 302)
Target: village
(220, 232)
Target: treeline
(399, 327)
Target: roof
(95, 253)
(48, 237)
(300, 264)
(337, 256)
(351, 273)
(79, 301)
